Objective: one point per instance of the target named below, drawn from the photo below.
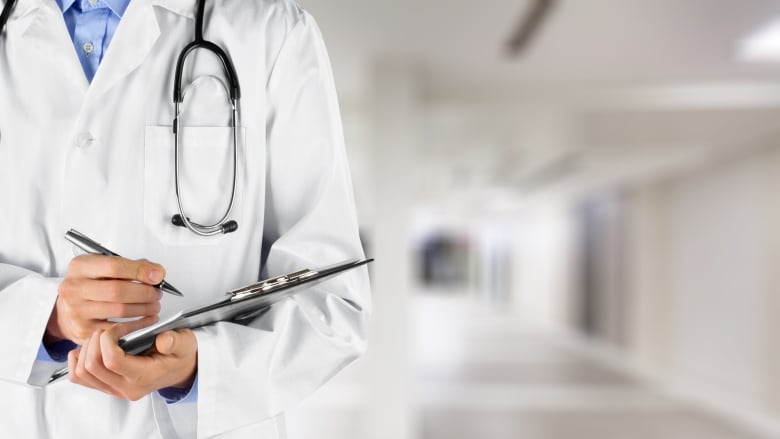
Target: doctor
(86, 142)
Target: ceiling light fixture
(762, 45)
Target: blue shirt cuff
(56, 352)
(178, 395)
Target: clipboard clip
(269, 285)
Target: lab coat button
(84, 140)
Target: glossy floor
(478, 375)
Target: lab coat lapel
(48, 35)
(135, 37)
(185, 8)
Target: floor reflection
(479, 375)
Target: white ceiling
(458, 44)
(617, 62)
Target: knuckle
(111, 363)
(121, 310)
(81, 333)
(75, 264)
(76, 322)
(114, 291)
(114, 267)
(133, 394)
(67, 286)
(152, 294)
(141, 268)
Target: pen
(83, 242)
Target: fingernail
(155, 276)
(170, 342)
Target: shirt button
(83, 140)
(88, 47)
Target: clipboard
(237, 306)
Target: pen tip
(171, 289)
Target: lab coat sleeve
(250, 373)
(26, 302)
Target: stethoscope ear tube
(234, 89)
(198, 43)
(6, 14)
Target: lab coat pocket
(205, 181)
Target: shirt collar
(65, 4)
(118, 7)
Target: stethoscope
(224, 225)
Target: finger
(106, 310)
(116, 267)
(115, 359)
(107, 380)
(81, 335)
(177, 343)
(124, 328)
(117, 291)
(73, 358)
(149, 372)
(85, 378)
(140, 374)
(166, 342)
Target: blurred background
(574, 210)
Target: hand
(97, 288)
(103, 365)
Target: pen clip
(269, 285)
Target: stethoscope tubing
(221, 226)
(234, 91)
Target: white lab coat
(99, 158)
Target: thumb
(166, 342)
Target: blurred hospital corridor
(479, 375)
(573, 206)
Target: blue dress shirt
(91, 24)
